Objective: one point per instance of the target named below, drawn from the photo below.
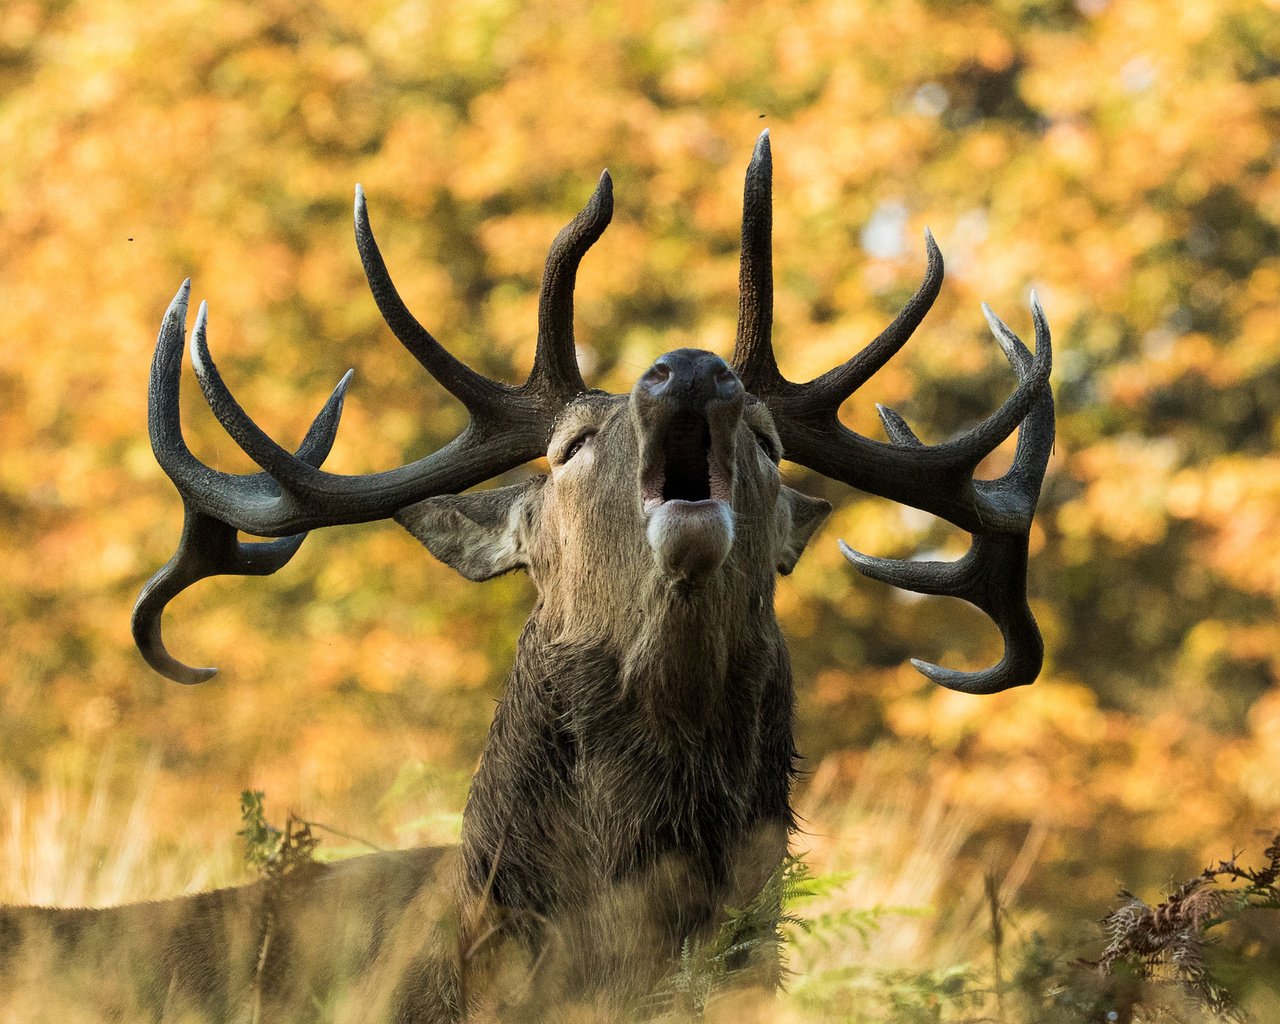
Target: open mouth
(682, 466)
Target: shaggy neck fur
(659, 760)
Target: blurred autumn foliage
(1120, 155)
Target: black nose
(691, 377)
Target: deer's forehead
(593, 410)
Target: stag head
(668, 493)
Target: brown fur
(324, 936)
(642, 755)
(634, 784)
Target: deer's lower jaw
(690, 539)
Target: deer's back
(375, 931)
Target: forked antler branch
(509, 425)
(936, 478)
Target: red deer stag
(637, 773)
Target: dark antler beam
(509, 426)
(935, 478)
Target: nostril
(657, 375)
(690, 377)
(727, 383)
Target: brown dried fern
(1167, 942)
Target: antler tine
(555, 364)
(292, 495)
(281, 502)
(834, 386)
(976, 444)
(210, 547)
(753, 358)
(163, 416)
(1015, 350)
(897, 429)
(286, 475)
(935, 478)
(509, 426)
(317, 443)
(474, 390)
(188, 473)
(1036, 433)
(993, 574)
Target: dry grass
(77, 840)
(898, 929)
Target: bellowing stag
(637, 773)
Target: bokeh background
(1118, 155)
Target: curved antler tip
(1044, 341)
(145, 625)
(178, 304)
(201, 358)
(1015, 351)
(933, 255)
(599, 207)
(604, 188)
(934, 673)
(884, 570)
(988, 681)
(190, 676)
(857, 558)
(364, 233)
(762, 152)
(340, 392)
(947, 677)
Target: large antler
(509, 425)
(936, 478)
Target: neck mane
(660, 748)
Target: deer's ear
(802, 515)
(481, 535)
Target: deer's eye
(575, 446)
(769, 447)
